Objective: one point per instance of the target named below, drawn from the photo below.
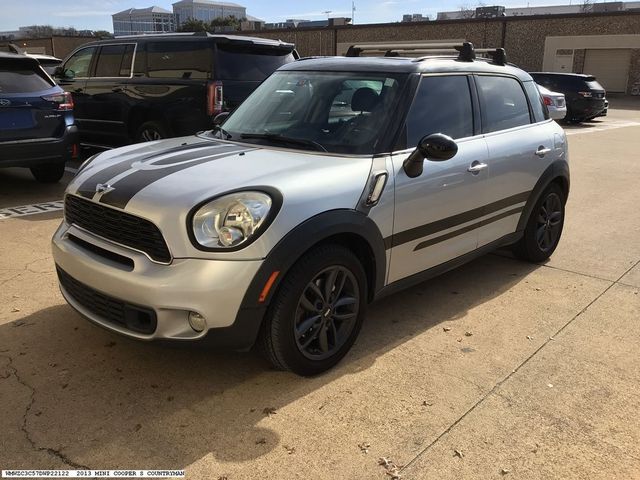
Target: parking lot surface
(499, 369)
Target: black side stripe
(468, 228)
(453, 221)
(88, 187)
(130, 185)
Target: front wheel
(317, 312)
(544, 227)
(51, 173)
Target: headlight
(232, 220)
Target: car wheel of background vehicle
(151, 131)
(51, 173)
(544, 227)
(317, 312)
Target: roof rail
(466, 50)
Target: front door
(436, 213)
(73, 79)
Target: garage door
(610, 67)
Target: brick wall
(523, 37)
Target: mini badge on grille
(104, 188)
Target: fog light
(197, 321)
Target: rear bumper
(38, 151)
(584, 108)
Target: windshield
(336, 112)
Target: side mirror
(220, 118)
(58, 72)
(436, 147)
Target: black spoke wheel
(151, 131)
(327, 312)
(544, 227)
(317, 311)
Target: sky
(96, 14)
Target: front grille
(120, 227)
(132, 317)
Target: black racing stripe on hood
(125, 189)
(88, 188)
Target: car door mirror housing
(220, 118)
(58, 72)
(436, 147)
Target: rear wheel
(151, 131)
(544, 227)
(317, 312)
(51, 173)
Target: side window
(187, 60)
(540, 112)
(503, 103)
(441, 105)
(114, 61)
(79, 63)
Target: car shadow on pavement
(18, 187)
(105, 401)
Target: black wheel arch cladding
(312, 232)
(557, 171)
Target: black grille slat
(120, 227)
(111, 309)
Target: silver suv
(337, 182)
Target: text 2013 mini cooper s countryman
(338, 181)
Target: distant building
(206, 10)
(298, 23)
(137, 21)
(498, 11)
(414, 17)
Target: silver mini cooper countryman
(338, 181)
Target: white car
(555, 103)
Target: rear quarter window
(21, 79)
(249, 63)
(183, 60)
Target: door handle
(117, 89)
(476, 167)
(542, 151)
(78, 90)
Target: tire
(51, 173)
(543, 230)
(151, 131)
(305, 334)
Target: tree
(230, 21)
(467, 12)
(193, 25)
(102, 34)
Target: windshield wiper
(221, 131)
(281, 138)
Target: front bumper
(38, 151)
(213, 288)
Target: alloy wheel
(326, 313)
(549, 222)
(150, 135)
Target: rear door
(520, 140)
(28, 106)
(106, 102)
(242, 67)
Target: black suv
(133, 89)
(585, 97)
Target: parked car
(337, 182)
(37, 128)
(555, 103)
(134, 89)
(585, 97)
(49, 62)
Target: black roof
(581, 75)
(197, 36)
(430, 64)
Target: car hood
(163, 181)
